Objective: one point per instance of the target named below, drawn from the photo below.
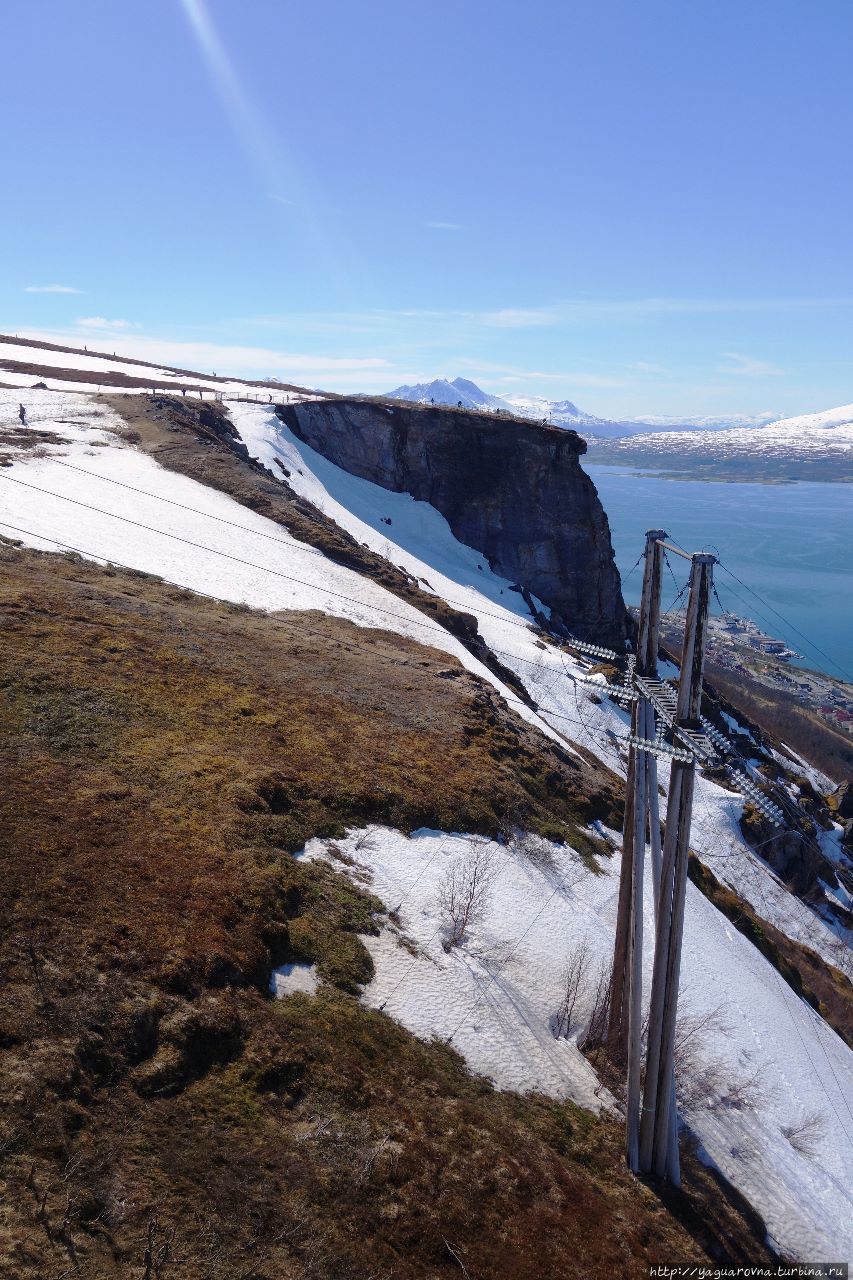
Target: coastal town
(740, 646)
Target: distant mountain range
(565, 413)
(811, 446)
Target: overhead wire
(306, 630)
(78, 550)
(525, 624)
(781, 617)
(311, 550)
(817, 649)
(291, 541)
(780, 981)
(297, 581)
(509, 697)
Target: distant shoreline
(766, 471)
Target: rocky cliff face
(513, 490)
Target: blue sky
(643, 207)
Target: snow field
(86, 363)
(207, 543)
(769, 1060)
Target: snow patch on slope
(167, 524)
(255, 551)
(492, 999)
(99, 365)
(419, 540)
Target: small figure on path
(22, 414)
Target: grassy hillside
(171, 430)
(163, 757)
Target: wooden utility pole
(658, 1137)
(625, 1020)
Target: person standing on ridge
(22, 414)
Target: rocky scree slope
(513, 490)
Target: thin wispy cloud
(647, 366)
(610, 310)
(507, 373)
(564, 313)
(443, 226)
(51, 288)
(747, 366)
(516, 318)
(101, 322)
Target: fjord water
(791, 543)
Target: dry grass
(162, 757)
(171, 430)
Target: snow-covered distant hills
(564, 413)
(806, 424)
(669, 422)
(812, 446)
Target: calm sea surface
(791, 543)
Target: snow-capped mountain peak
(808, 422)
(565, 413)
(444, 391)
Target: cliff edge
(512, 489)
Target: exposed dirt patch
(29, 439)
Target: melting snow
(197, 538)
(493, 997)
(293, 977)
(153, 375)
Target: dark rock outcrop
(512, 489)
